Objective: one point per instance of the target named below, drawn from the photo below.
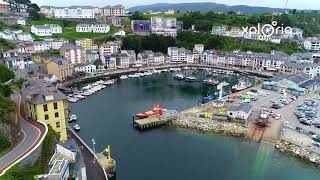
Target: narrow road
(33, 135)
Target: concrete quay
(119, 72)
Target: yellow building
(45, 103)
(86, 43)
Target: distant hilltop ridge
(205, 7)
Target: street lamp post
(94, 151)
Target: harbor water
(171, 153)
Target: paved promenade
(33, 134)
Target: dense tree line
(153, 42)
(32, 8)
(187, 40)
(308, 21)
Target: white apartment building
(48, 11)
(20, 61)
(40, 46)
(56, 43)
(74, 12)
(312, 44)
(117, 10)
(199, 48)
(296, 33)
(7, 35)
(46, 30)
(219, 30)
(179, 55)
(164, 26)
(24, 37)
(94, 28)
(87, 68)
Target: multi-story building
(94, 28)
(146, 58)
(21, 61)
(86, 43)
(45, 103)
(12, 20)
(26, 47)
(132, 55)
(87, 68)
(219, 30)
(48, 11)
(179, 55)
(60, 67)
(159, 58)
(295, 68)
(75, 54)
(296, 33)
(74, 12)
(141, 27)
(109, 48)
(117, 10)
(56, 43)
(164, 26)
(199, 48)
(24, 37)
(4, 6)
(312, 44)
(46, 30)
(40, 46)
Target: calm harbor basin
(173, 153)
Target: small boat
(179, 76)
(73, 100)
(210, 82)
(124, 77)
(72, 118)
(240, 86)
(156, 111)
(76, 127)
(190, 79)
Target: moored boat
(179, 76)
(190, 78)
(76, 127)
(72, 118)
(156, 111)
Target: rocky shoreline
(208, 125)
(299, 152)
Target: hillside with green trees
(308, 21)
(187, 40)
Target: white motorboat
(190, 79)
(76, 127)
(179, 76)
(239, 87)
(73, 99)
(73, 117)
(124, 77)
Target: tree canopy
(5, 74)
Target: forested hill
(205, 7)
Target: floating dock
(152, 122)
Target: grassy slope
(4, 144)
(69, 31)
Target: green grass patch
(40, 166)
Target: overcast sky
(298, 4)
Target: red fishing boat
(156, 111)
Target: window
(55, 105)
(56, 114)
(46, 117)
(45, 107)
(58, 124)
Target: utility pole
(94, 151)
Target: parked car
(308, 123)
(275, 106)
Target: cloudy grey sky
(298, 4)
